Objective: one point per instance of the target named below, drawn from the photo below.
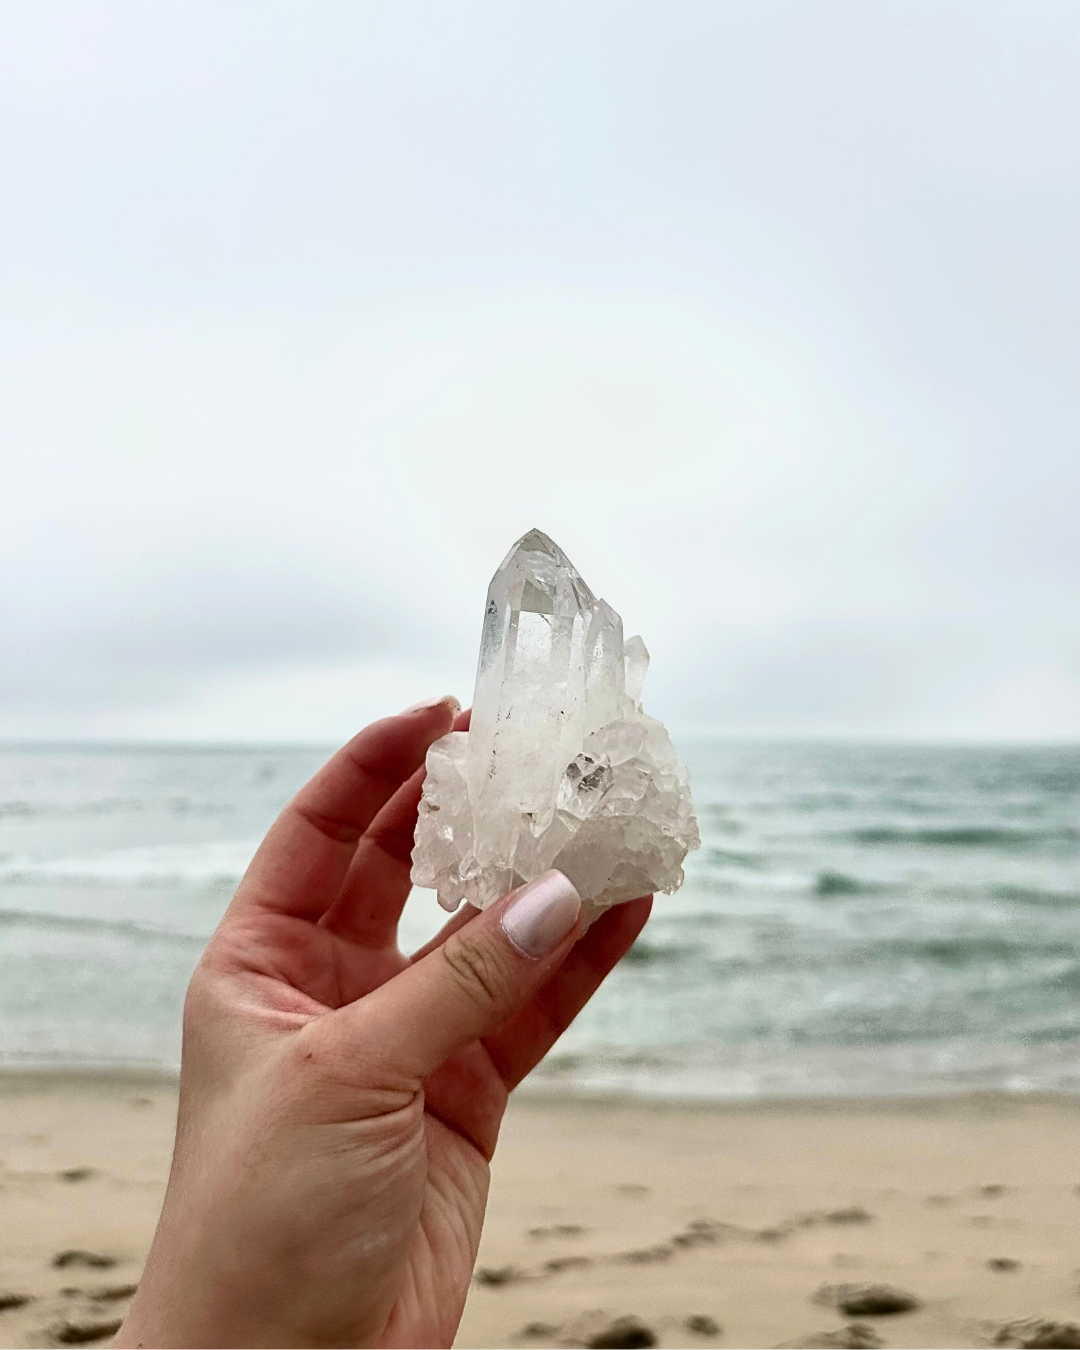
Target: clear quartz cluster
(560, 767)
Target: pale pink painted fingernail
(541, 914)
(427, 704)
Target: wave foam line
(11, 918)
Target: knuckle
(477, 969)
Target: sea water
(859, 920)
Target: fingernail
(541, 914)
(425, 705)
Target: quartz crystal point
(561, 767)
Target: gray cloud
(769, 311)
(151, 632)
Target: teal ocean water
(859, 920)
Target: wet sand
(734, 1216)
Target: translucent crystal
(561, 767)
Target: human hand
(340, 1102)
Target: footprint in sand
(599, 1331)
(538, 1331)
(701, 1324)
(625, 1333)
(645, 1256)
(494, 1276)
(82, 1332)
(560, 1263)
(111, 1293)
(866, 1300)
(1032, 1333)
(855, 1336)
(78, 1257)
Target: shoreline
(105, 1074)
(976, 1099)
(547, 1096)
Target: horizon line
(867, 739)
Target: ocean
(860, 920)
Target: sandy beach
(734, 1216)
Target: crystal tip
(536, 541)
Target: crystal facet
(560, 767)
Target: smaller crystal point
(636, 667)
(560, 767)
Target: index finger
(301, 864)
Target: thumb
(467, 987)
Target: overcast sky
(768, 313)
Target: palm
(308, 968)
(440, 1260)
(298, 971)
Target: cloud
(768, 314)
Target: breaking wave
(221, 860)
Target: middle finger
(378, 881)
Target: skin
(340, 1102)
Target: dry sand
(778, 1195)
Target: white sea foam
(222, 859)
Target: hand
(340, 1102)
